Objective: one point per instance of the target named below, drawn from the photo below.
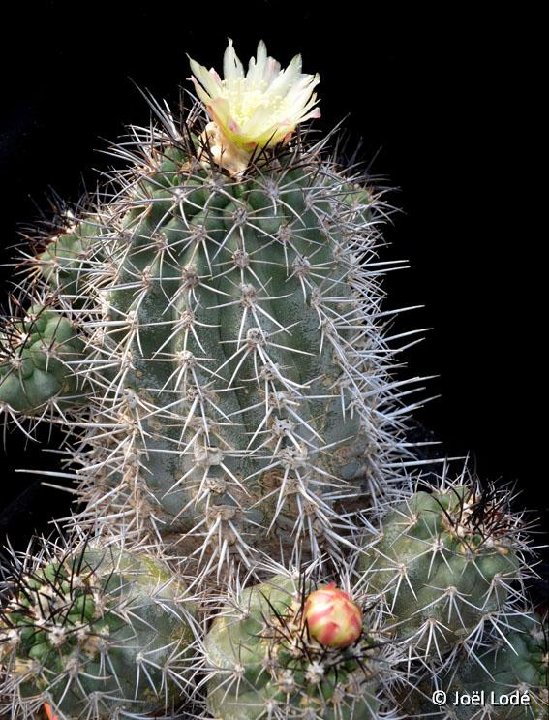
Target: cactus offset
(508, 676)
(93, 632)
(261, 657)
(37, 373)
(445, 563)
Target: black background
(446, 104)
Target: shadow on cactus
(95, 632)
(210, 334)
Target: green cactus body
(44, 350)
(263, 663)
(67, 253)
(444, 563)
(97, 633)
(516, 664)
(506, 680)
(235, 371)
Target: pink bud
(49, 712)
(332, 617)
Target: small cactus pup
(263, 659)
(94, 633)
(506, 679)
(511, 672)
(225, 290)
(38, 353)
(446, 563)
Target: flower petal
(260, 108)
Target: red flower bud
(332, 617)
(49, 712)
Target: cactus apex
(252, 112)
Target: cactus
(101, 630)
(444, 563)
(209, 332)
(234, 374)
(506, 680)
(261, 656)
(40, 351)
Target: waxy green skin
(437, 581)
(517, 661)
(122, 616)
(45, 349)
(232, 371)
(241, 639)
(234, 219)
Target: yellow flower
(258, 109)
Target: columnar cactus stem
(506, 680)
(231, 338)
